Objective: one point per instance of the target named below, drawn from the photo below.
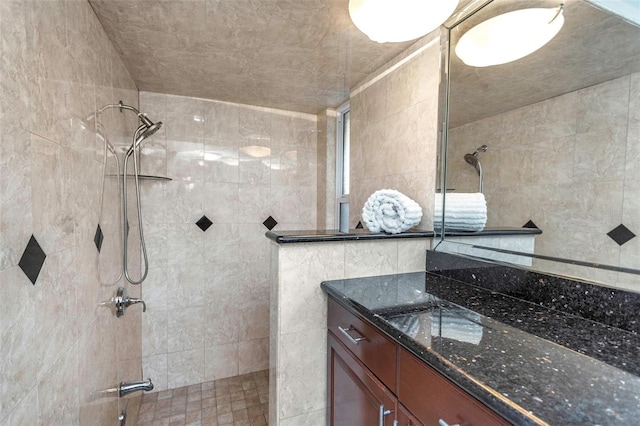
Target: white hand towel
(390, 211)
(463, 212)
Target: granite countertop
(521, 359)
(328, 235)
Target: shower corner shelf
(145, 177)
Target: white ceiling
(305, 55)
(301, 55)
(593, 46)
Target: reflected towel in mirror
(463, 212)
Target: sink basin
(437, 320)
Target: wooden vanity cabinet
(373, 381)
(405, 418)
(432, 398)
(356, 396)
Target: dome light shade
(399, 20)
(509, 37)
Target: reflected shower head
(483, 148)
(473, 158)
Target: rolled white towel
(390, 211)
(463, 212)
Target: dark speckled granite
(612, 345)
(616, 308)
(328, 235)
(488, 344)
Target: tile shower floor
(241, 401)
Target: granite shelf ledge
(330, 235)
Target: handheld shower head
(146, 129)
(145, 120)
(151, 128)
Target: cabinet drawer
(356, 396)
(431, 397)
(368, 344)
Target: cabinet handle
(354, 340)
(443, 423)
(383, 413)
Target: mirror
(562, 133)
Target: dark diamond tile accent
(204, 223)
(621, 234)
(98, 238)
(359, 225)
(270, 223)
(530, 224)
(32, 260)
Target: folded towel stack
(464, 212)
(390, 211)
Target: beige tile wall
(208, 292)
(58, 346)
(570, 164)
(327, 169)
(394, 130)
(298, 346)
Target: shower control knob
(122, 301)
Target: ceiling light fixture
(510, 36)
(399, 20)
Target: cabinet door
(433, 399)
(404, 418)
(356, 396)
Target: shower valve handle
(134, 300)
(122, 301)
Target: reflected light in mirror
(212, 156)
(229, 161)
(256, 151)
(386, 21)
(509, 37)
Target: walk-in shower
(144, 131)
(475, 162)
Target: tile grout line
(236, 401)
